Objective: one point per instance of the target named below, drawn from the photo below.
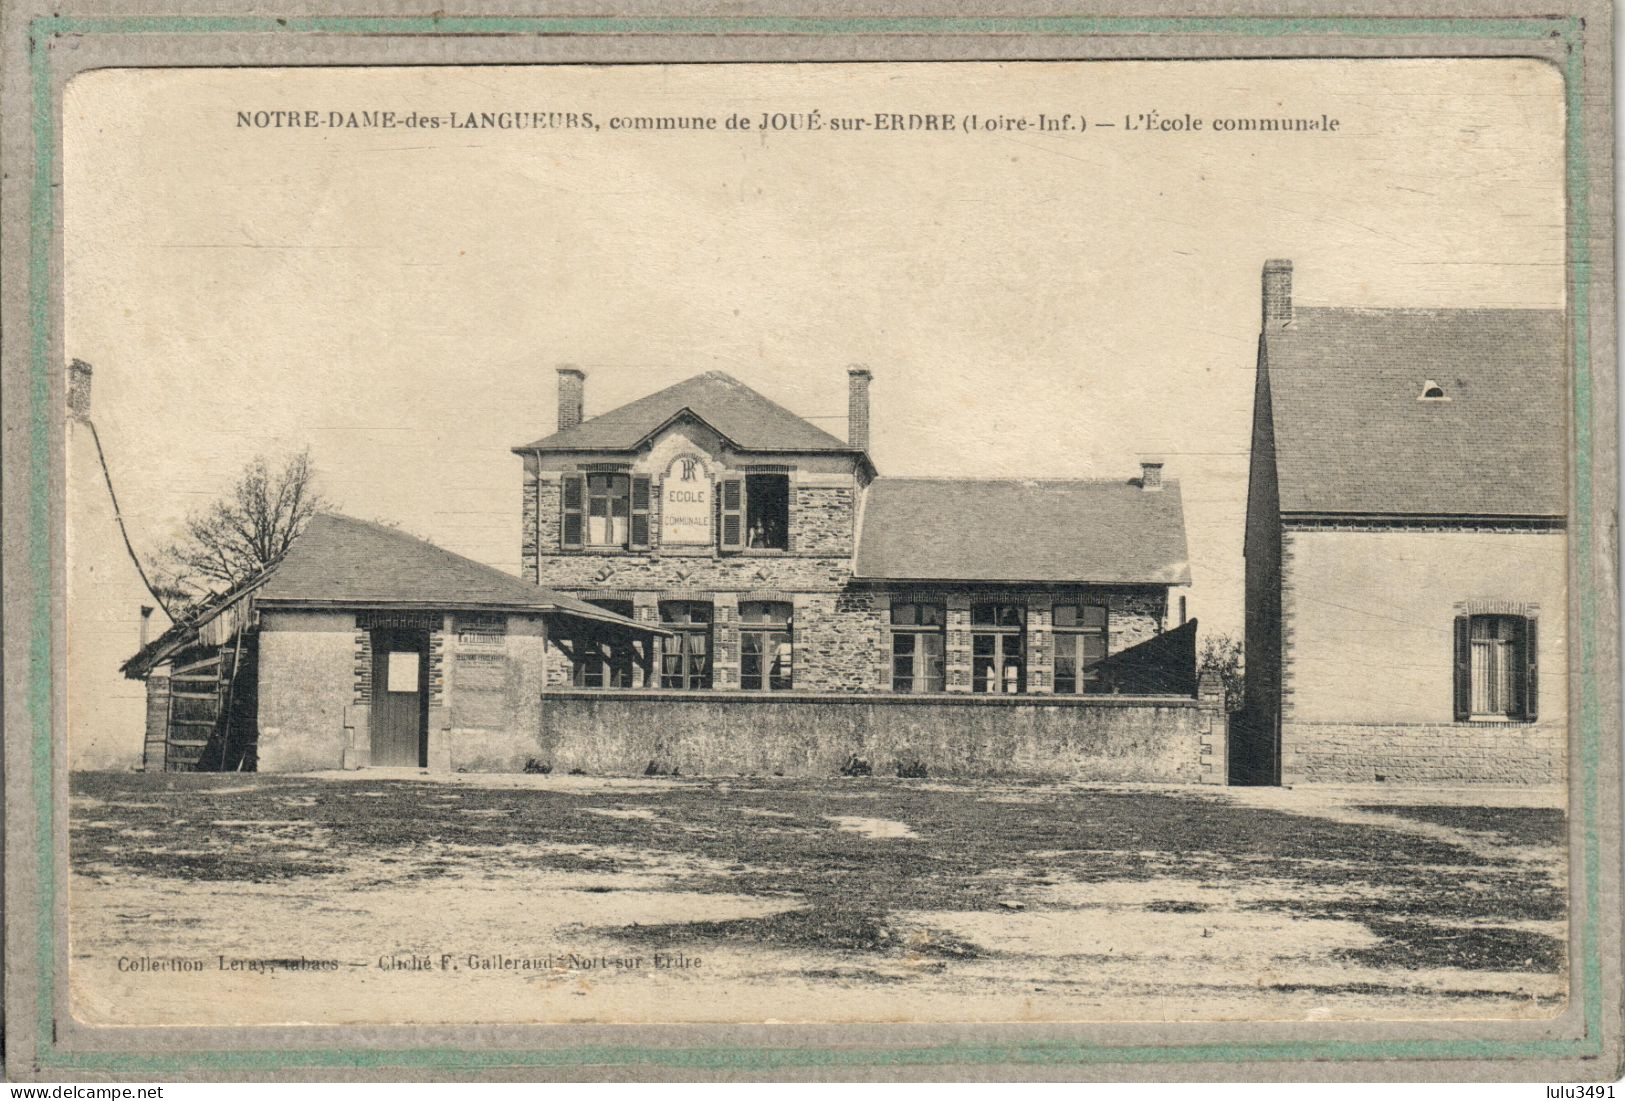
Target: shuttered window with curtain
(1495, 667)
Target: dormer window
(1432, 391)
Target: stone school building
(899, 615)
(716, 587)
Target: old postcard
(1000, 553)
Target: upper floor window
(767, 511)
(766, 657)
(1496, 676)
(998, 655)
(686, 661)
(917, 661)
(755, 512)
(609, 509)
(604, 510)
(1080, 646)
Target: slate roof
(1351, 436)
(1086, 531)
(741, 415)
(340, 561)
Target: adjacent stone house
(781, 561)
(1406, 553)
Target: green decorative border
(717, 1057)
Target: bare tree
(247, 529)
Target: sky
(1030, 303)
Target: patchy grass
(1538, 826)
(826, 926)
(1434, 903)
(1414, 945)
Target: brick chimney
(1277, 293)
(572, 396)
(79, 390)
(857, 406)
(1151, 475)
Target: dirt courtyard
(381, 897)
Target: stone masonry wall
(1168, 740)
(842, 634)
(822, 519)
(1367, 671)
(1436, 753)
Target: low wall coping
(908, 699)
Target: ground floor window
(600, 665)
(1495, 667)
(765, 653)
(1080, 647)
(997, 656)
(686, 662)
(917, 647)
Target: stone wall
(307, 687)
(823, 519)
(1367, 669)
(495, 674)
(1423, 753)
(591, 575)
(1161, 739)
(823, 508)
(486, 673)
(842, 633)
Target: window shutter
(573, 502)
(790, 514)
(732, 535)
(1531, 651)
(639, 526)
(1464, 670)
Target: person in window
(758, 534)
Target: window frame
(757, 478)
(1086, 677)
(736, 520)
(1514, 656)
(920, 678)
(769, 634)
(620, 489)
(1001, 637)
(685, 633)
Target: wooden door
(400, 699)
